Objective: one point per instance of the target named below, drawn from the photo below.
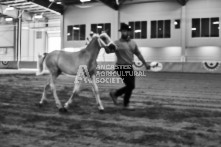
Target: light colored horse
(58, 62)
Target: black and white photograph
(110, 73)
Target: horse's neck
(93, 48)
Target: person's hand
(148, 67)
(155, 65)
(151, 66)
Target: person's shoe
(114, 98)
(131, 108)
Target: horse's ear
(95, 35)
(104, 31)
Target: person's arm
(140, 57)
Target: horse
(58, 62)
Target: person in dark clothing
(126, 48)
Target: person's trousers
(129, 80)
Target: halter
(102, 43)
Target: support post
(18, 40)
(183, 33)
(183, 36)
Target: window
(160, 29)
(38, 35)
(76, 32)
(205, 27)
(138, 29)
(177, 24)
(99, 28)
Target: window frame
(105, 27)
(199, 30)
(76, 32)
(164, 26)
(141, 26)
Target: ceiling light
(137, 31)
(9, 8)
(38, 16)
(76, 28)
(85, 1)
(25, 28)
(193, 29)
(216, 22)
(8, 19)
(59, 3)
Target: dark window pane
(38, 35)
(167, 29)
(160, 29)
(137, 30)
(143, 29)
(153, 29)
(107, 27)
(177, 24)
(205, 27)
(131, 24)
(196, 27)
(94, 28)
(69, 33)
(76, 29)
(100, 28)
(82, 32)
(214, 27)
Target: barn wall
(181, 50)
(201, 49)
(6, 42)
(31, 45)
(156, 49)
(98, 13)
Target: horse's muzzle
(111, 48)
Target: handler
(126, 48)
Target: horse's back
(66, 62)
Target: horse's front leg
(75, 92)
(96, 93)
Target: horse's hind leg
(53, 88)
(44, 98)
(96, 93)
(74, 93)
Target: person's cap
(124, 26)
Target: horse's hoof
(39, 105)
(63, 110)
(101, 110)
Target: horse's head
(106, 43)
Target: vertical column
(118, 23)
(183, 33)
(18, 38)
(62, 31)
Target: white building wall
(31, 46)
(7, 42)
(156, 49)
(202, 49)
(165, 49)
(98, 13)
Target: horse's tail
(40, 64)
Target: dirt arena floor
(172, 110)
